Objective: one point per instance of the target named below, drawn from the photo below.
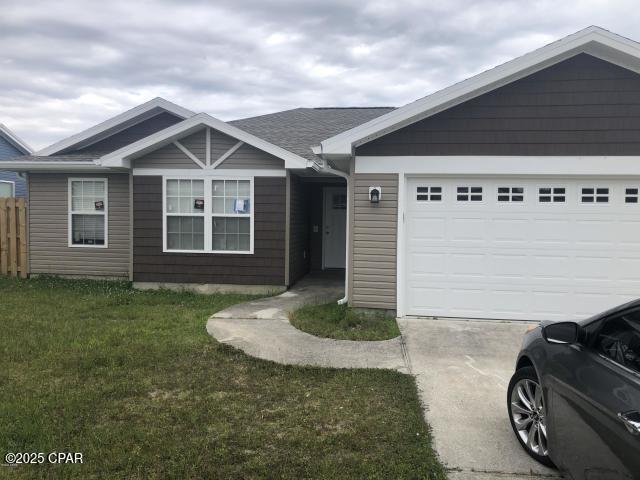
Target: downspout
(326, 168)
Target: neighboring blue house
(11, 185)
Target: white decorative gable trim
(122, 158)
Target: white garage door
(520, 248)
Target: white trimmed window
(209, 215)
(88, 212)
(7, 189)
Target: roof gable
(593, 40)
(122, 158)
(14, 141)
(111, 127)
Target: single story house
(11, 146)
(513, 194)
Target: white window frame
(429, 194)
(510, 195)
(208, 214)
(104, 212)
(566, 194)
(595, 195)
(626, 195)
(468, 201)
(13, 187)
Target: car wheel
(528, 415)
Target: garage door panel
(528, 261)
(467, 230)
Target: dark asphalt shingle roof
(300, 129)
(295, 130)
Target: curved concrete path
(261, 328)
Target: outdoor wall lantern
(375, 194)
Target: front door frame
(325, 190)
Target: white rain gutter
(326, 168)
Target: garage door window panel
(510, 194)
(594, 194)
(429, 194)
(552, 194)
(631, 195)
(469, 194)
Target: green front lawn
(344, 323)
(132, 380)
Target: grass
(344, 323)
(132, 380)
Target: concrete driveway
(463, 368)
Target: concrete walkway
(262, 329)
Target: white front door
(520, 248)
(334, 227)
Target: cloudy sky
(66, 65)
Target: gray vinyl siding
(581, 106)
(373, 241)
(298, 230)
(49, 252)
(249, 157)
(132, 134)
(7, 152)
(220, 144)
(168, 156)
(196, 143)
(266, 266)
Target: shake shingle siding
(581, 106)
(49, 251)
(264, 267)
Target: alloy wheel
(529, 415)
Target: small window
(631, 195)
(429, 194)
(551, 194)
(469, 194)
(7, 189)
(511, 194)
(594, 195)
(88, 212)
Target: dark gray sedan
(574, 400)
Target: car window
(619, 339)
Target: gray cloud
(68, 65)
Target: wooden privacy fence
(13, 237)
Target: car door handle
(631, 420)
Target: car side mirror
(561, 332)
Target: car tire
(527, 376)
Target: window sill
(88, 246)
(212, 252)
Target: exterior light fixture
(375, 194)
